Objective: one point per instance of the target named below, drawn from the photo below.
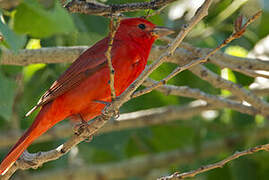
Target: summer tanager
(80, 89)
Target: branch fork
(239, 31)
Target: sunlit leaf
(33, 44)
(228, 75)
(239, 51)
(260, 120)
(29, 70)
(236, 51)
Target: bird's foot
(116, 115)
(82, 126)
(79, 128)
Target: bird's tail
(39, 126)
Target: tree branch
(220, 164)
(7, 4)
(239, 31)
(244, 65)
(43, 55)
(100, 9)
(181, 56)
(217, 101)
(236, 89)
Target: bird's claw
(116, 115)
(79, 128)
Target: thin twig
(112, 32)
(164, 80)
(248, 72)
(217, 101)
(243, 65)
(158, 11)
(239, 31)
(236, 89)
(220, 164)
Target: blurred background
(198, 140)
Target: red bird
(76, 92)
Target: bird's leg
(116, 113)
(83, 125)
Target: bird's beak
(160, 31)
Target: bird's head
(141, 30)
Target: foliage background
(35, 24)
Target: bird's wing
(89, 62)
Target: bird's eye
(142, 26)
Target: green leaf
(245, 168)
(101, 156)
(33, 19)
(263, 25)
(11, 39)
(7, 93)
(171, 136)
(220, 174)
(30, 70)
